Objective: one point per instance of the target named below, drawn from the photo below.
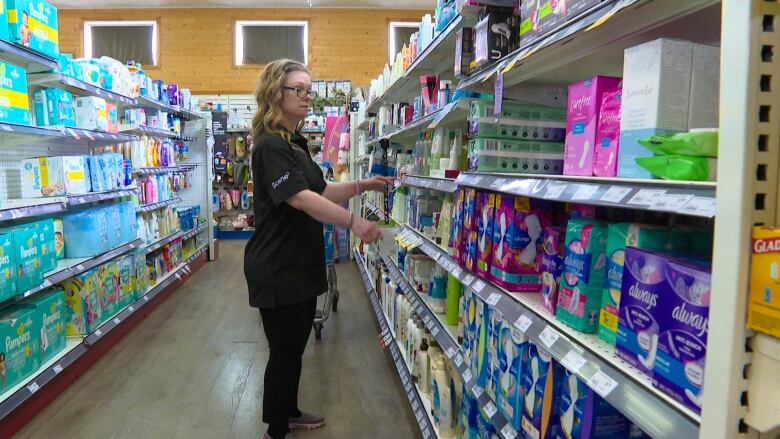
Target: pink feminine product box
(485, 210)
(605, 154)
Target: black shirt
(284, 261)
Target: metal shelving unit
(76, 87)
(159, 204)
(33, 62)
(454, 112)
(433, 183)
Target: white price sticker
(131, 308)
(57, 368)
(477, 391)
(498, 183)
(671, 202)
(468, 280)
(549, 336)
(508, 432)
(699, 206)
(46, 283)
(146, 298)
(490, 409)
(467, 376)
(80, 267)
(427, 320)
(479, 286)
(435, 331)
(554, 191)
(415, 405)
(573, 361)
(450, 352)
(493, 299)
(646, 197)
(523, 323)
(33, 387)
(456, 271)
(458, 360)
(98, 333)
(585, 192)
(602, 383)
(615, 194)
(117, 321)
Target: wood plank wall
(196, 45)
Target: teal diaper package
(14, 102)
(7, 267)
(33, 24)
(27, 255)
(53, 314)
(54, 107)
(20, 352)
(47, 245)
(4, 34)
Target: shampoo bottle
(445, 423)
(422, 367)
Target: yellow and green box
(84, 313)
(14, 101)
(33, 24)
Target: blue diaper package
(14, 101)
(7, 266)
(114, 224)
(33, 24)
(469, 414)
(129, 224)
(86, 233)
(54, 107)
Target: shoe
(286, 436)
(306, 421)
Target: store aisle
(194, 368)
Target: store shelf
(363, 125)
(163, 169)
(92, 197)
(190, 233)
(239, 130)
(387, 338)
(153, 206)
(76, 87)
(14, 134)
(186, 114)
(30, 60)
(317, 130)
(436, 58)
(149, 248)
(14, 209)
(454, 112)
(143, 130)
(149, 103)
(680, 197)
(433, 183)
(373, 209)
(593, 360)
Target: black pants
(287, 330)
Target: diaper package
(53, 176)
(108, 288)
(517, 239)
(14, 102)
(605, 154)
(7, 266)
(33, 24)
(584, 414)
(682, 341)
(84, 311)
(87, 233)
(552, 265)
(114, 225)
(4, 34)
(54, 106)
(620, 236)
(541, 377)
(53, 313)
(45, 229)
(59, 238)
(27, 254)
(579, 299)
(512, 354)
(90, 112)
(764, 298)
(128, 281)
(469, 244)
(585, 99)
(21, 355)
(485, 209)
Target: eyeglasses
(301, 92)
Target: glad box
(764, 299)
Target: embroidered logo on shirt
(280, 180)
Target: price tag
(408, 387)
(426, 433)
(456, 271)
(415, 406)
(499, 96)
(82, 200)
(427, 319)
(498, 183)
(585, 192)
(602, 383)
(418, 414)
(178, 277)
(6, 127)
(435, 331)
(117, 321)
(33, 387)
(477, 391)
(523, 323)
(57, 368)
(479, 286)
(549, 336)
(615, 194)
(508, 432)
(458, 360)
(699, 206)
(46, 283)
(435, 255)
(573, 361)
(467, 376)
(80, 267)
(554, 191)
(671, 202)
(450, 352)
(646, 197)
(98, 333)
(493, 299)
(131, 308)
(468, 280)
(146, 298)
(490, 409)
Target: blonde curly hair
(268, 94)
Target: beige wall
(196, 45)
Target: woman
(284, 262)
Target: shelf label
(435, 331)
(117, 321)
(508, 432)
(468, 280)
(46, 283)
(80, 267)
(671, 202)
(615, 194)
(498, 183)
(549, 336)
(415, 406)
(493, 299)
(146, 298)
(98, 333)
(602, 383)
(523, 323)
(57, 368)
(490, 409)
(435, 255)
(477, 391)
(131, 308)
(554, 191)
(33, 387)
(573, 361)
(426, 433)
(458, 360)
(585, 192)
(700, 206)
(456, 272)
(467, 376)
(479, 286)
(418, 414)
(499, 96)
(450, 352)
(646, 197)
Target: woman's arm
(326, 211)
(341, 192)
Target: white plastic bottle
(446, 420)
(461, 319)
(422, 367)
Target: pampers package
(81, 297)
(53, 311)
(33, 24)
(517, 239)
(605, 153)
(512, 353)
(584, 414)
(27, 255)
(552, 265)
(682, 342)
(46, 240)
(585, 98)
(7, 266)
(14, 102)
(541, 377)
(620, 236)
(485, 210)
(54, 176)
(579, 298)
(21, 346)
(54, 107)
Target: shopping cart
(332, 295)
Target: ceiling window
(400, 33)
(122, 40)
(260, 42)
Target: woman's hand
(376, 184)
(366, 230)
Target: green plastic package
(680, 167)
(697, 143)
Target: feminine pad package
(7, 266)
(517, 239)
(584, 414)
(14, 103)
(579, 299)
(21, 349)
(469, 413)
(81, 297)
(552, 265)
(585, 98)
(54, 106)
(485, 210)
(620, 236)
(512, 353)
(53, 311)
(540, 18)
(469, 241)
(605, 154)
(87, 233)
(540, 381)
(33, 24)
(27, 254)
